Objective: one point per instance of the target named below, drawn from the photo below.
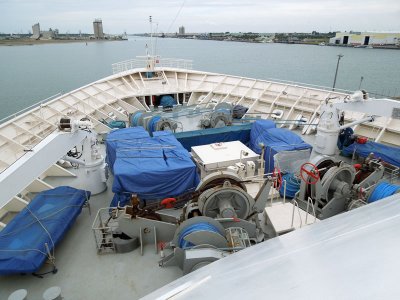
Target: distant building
(365, 38)
(35, 31)
(50, 34)
(182, 30)
(98, 29)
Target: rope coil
(135, 119)
(152, 126)
(292, 185)
(383, 190)
(202, 226)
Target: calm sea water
(32, 73)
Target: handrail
(310, 85)
(141, 62)
(37, 104)
(100, 227)
(284, 191)
(298, 211)
(309, 201)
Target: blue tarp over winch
(45, 220)
(167, 101)
(122, 138)
(257, 133)
(275, 140)
(388, 154)
(153, 168)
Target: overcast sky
(202, 16)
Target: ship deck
(84, 274)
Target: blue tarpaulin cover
(189, 139)
(156, 168)
(275, 140)
(22, 241)
(122, 138)
(257, 133)
(388, 154)
(167, 101)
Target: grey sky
(202, 16)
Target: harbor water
(34, 72)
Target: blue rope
(135, 119)
(153, 123)
(292, 185)
(383, 190)
(183, 244)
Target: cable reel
(220, 118)
(165, 124)
(140, 118)
(225, 202)
(382, 190)
(199, 231)
(332, 192)
(218, 178)
(135, 117)
(337, 181)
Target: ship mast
(150, 56)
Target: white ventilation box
(233, 169)
(219, 156)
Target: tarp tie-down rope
(50, 255)
(30, 238)
(124, 149)
(29, 224)
(37, 221)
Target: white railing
(141, 62)
(41, 102)
(104, 226)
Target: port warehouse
(366, 38)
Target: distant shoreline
(31, 42)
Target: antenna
(150, 54)
(151, 35)
(177, 14)
(155, 51)
(337, 67)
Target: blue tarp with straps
(257, 133)
(45, 220)
(156, 168)
(121, 138)
(275, 140)
(387, 153)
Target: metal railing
(238, 238)
(313, 213)
(310, 85)
(26, 109)
(141, 62)
(392, 173)
(104, 226)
